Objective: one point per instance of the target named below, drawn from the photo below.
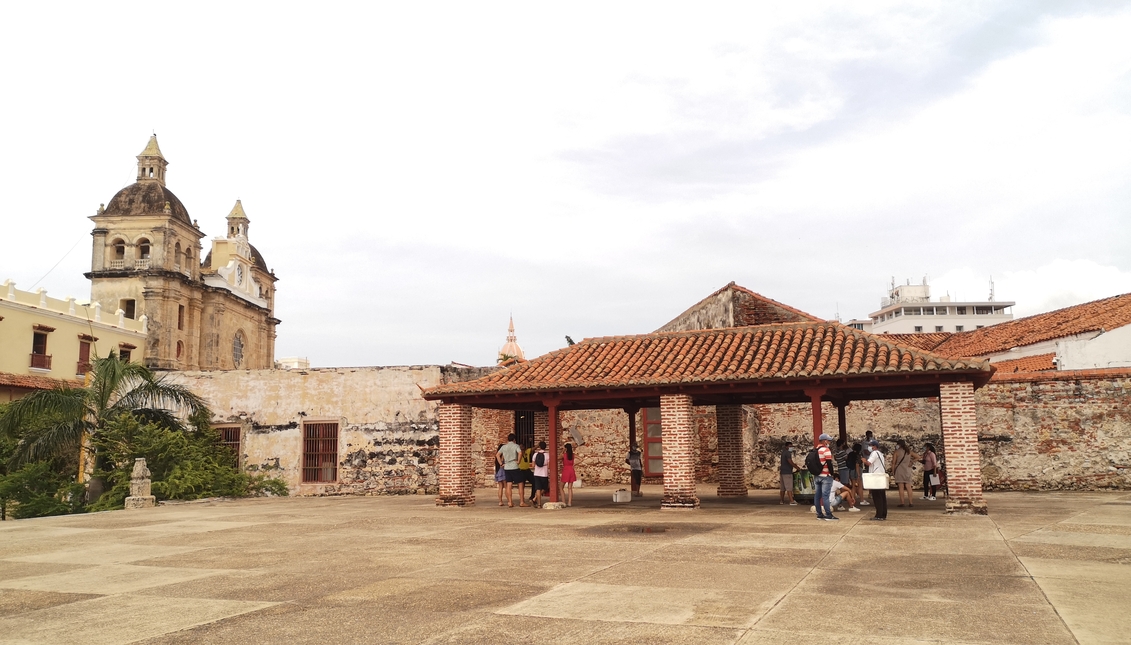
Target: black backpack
(539, 459)
(813, 463)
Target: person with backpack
(541, 468)
(820, 462)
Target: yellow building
(145, 261)
(44, 338)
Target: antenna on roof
(837, 312)
(991, 288)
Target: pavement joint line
(798, 583)
(1030, 575)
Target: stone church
(215, 314)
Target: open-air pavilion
(805, 362)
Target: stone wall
(387, 434)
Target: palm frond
(50, 441)
(64, 402)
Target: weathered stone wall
(1056, 431)
(387, 434)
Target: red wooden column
(631, 412)
(679, 452)
(554, 431)
(818, 422)
(732, 474)
(960, 449)
(454, 472)
(842, 421)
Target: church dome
(147, 198)
(511, 350)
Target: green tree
(80, 415)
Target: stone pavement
(1041, 568)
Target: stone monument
(140, 496)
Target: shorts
(836, 501)
(527, 476)
(845, 476)
(542, 484)
(786, 483)
(853, 476)
(500, 475)
(514, 476)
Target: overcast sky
(417, 172)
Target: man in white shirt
(840, 494)
(876, 464)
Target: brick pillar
(732, 476)
(960, 447)
(455, 473)
(679, 452)
(541, 427)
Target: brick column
(541, 427)
(960, 448)
(454, 471)
(679, 452)
(732, 477)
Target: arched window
(177, 256)
(180, 349)
(143, 249)
(119, 250)
(237, 350)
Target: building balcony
(41, 361)
(82, 368)
(142, 264)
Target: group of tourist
(531, 467)
(839, 483)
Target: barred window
(319, 452)
(230, 437)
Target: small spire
(238, 221)
(151, 148)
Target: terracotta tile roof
(29, 382)
(736, 354)
(1109, 313)
(1038, 363)
(927, 341)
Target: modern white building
(908, 309)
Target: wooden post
(555, 473)
(632, 426)
(842, 422)
(818, 422)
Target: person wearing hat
(876, 464)
(823, 482)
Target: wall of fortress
(1042, 431)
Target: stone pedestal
(140, 494)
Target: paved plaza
(1041, 568)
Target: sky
(417, 173)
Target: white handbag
(875, 481)
(935, 480)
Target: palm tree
(79, 414)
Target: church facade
(215, 314)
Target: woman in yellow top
(527, 475)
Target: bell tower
(151, 163)
(238, 221)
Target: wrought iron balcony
(41, 361)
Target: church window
(319, 452)
(128, 305)
(180, 318)
(237, 349)
(143, 249)
(177, 256)
(180, 349)
(119, 250)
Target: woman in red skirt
(568, 475)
